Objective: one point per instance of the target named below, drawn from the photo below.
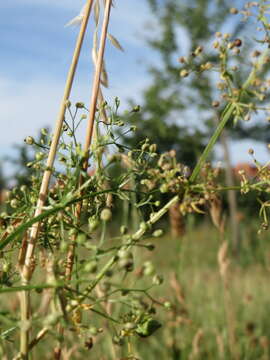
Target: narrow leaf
(115, 42)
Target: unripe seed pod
(81, 238)
(167, 305)
(93, 330)
(106, 214)
(123, 230)
(14, 203)
(126, 264)
(6, 267)
(130, 326)
(158, 233)
(157, 280)
(68, 103)
(93, 223)
(39, 156)
(91, 267)
(164, 188)
(44, 132)
(79, 105)
(125, 254)
(148, 268)
(153, 148)
(144, 147)
(184, 73)
(143, 226)
(136, 108)
(29, 140)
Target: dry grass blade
(115, 42)
(215, 209)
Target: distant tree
(2, 179)
(178, 112)
(181, 112)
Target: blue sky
(36, 50)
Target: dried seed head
(80, 105)
(256, 53)
(237, 42)
(182, 60)
(233, 11)
(215, 104)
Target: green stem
(226, 115)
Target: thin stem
(26, 272)
(226, 115)
(96, 82)
(91, 119)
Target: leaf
(96, 11)
(115, 42)
(5, 334)
(94, 49)
(148, 327)
(104, 76)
